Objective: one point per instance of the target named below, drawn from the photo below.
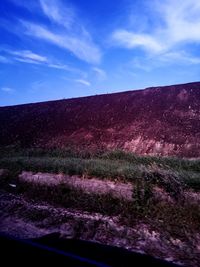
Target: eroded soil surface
(24, 218)
(92, 185)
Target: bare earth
(27, 219)
(93, 185)
(97, 186)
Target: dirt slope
(158, 121)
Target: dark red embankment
(159, 121)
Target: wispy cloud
(100, 73)
(57, 11)
(81, 46)
(131, 40)
(65, 31)
(182, 20)
(29, 57)
(26, 60)
(83, 82)
(178, 25)
(180, 57)
(175, 58)
(62, 67)
(7, 89)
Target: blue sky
(55, 49)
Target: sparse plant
(142, 192)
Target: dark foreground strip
(43, 252)
(73, 253)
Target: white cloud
(131, 40)
(81, 46)
(27, 56)
(7, 90)
(100, 73)
(67, 30)
(84, 82)
(55, 10)
(175, 58)
(178, 23)
(30, 55)
(26, 60)
(180, 57)
(62, 67)
(182, 20)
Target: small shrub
(170, 181)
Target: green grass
(172, 174)
(112, 165)
(71, 166)
(170, 162)
(166, 162)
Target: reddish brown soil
(159, 121)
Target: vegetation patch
(106, 165)
(173, 175)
